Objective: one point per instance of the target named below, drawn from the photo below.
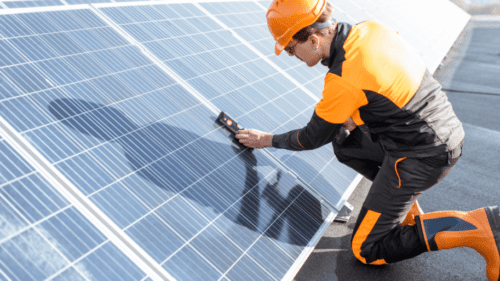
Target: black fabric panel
(359, 153)
(493, 215)
(433, 226)
(337, 52)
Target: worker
(388, 119)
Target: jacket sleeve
(340, 101)
(317, 133)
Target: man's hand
(255, 139)
(350, 125)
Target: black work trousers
(378, 237)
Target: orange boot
(414, 211)
(478, 229)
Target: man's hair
(307, 31)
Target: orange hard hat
(287, 17)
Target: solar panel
(117, 102)
(43, 235)
(146, 153)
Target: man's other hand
(254, 138)
(350, 125)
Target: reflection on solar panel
(112, 164)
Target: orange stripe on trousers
(360, 236)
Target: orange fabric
(377, 60)
(340, 101)
(356, 117)
(362, 233)
(480, 239)
(396, 169)
(414, 211)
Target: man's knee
(363, 252)
(363, 241)
(398, 244)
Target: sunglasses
(289, 49)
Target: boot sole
(493, 215)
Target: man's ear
(315, 40)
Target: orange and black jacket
(386, 89)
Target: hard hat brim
(278, 48)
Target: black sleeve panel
(317, 133)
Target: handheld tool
(233, 126)
(229, 122)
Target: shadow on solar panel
(248, 190)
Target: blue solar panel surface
(143, 149)
(25, 4)
(47, 3)
(43, 236)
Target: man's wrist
(269, 140)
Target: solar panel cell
(8, 55)
(12, 27)
(38, 23)
(246, 265)
(33, 48)
(187, 259)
